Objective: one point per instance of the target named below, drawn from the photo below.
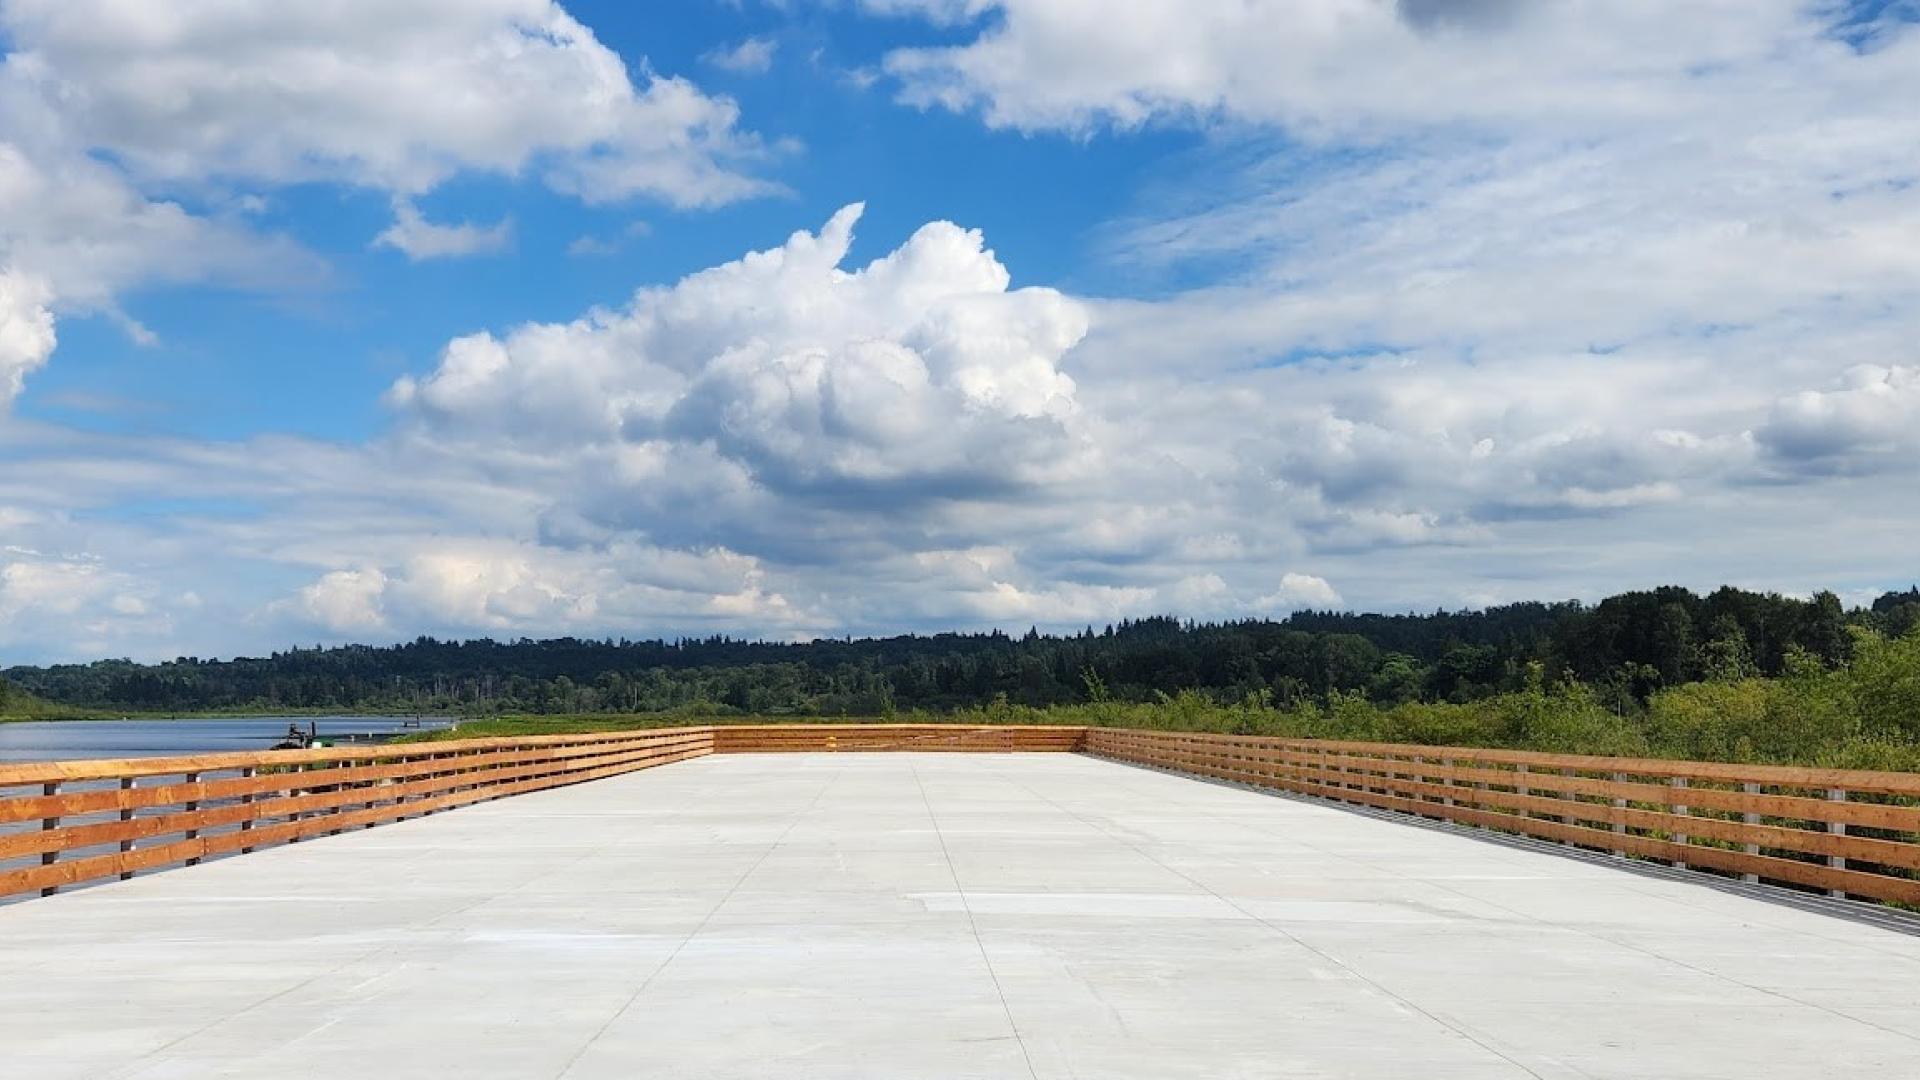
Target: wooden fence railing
(1847, 832)
(73, 822)
(69, 822)
(819, 738)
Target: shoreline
(247, 714)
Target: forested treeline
(17, 704)
(1624, 649)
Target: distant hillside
(17, 704)
(1626, 647)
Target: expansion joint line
(1284, 932)
(634, 997)
(158, 1053)
(973, 925)
(1628, 883)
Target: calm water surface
(61, 740)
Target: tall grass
(1864, 715)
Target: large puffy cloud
(1490, 263)
(393, 96)
(918, 376)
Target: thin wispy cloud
(754, 56)
(414, 236)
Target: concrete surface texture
(920, 915)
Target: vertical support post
(430, 772)
(48, 824)
(1520, 787)
(336, 810)
(1751, 817)
(1447, 799)
(1620, 826)
(1680, 784)
(127, 783)
(294, 791)
(1837, 828)
(246, 823)
(191, 806)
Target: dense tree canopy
(1626, 647)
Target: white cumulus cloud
(1298, 591)
(346, 601)
(397, 96)
(110, 110)
(922, 367)
(26, 330)
(1872, 414)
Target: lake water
(66, 739)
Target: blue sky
(443, 317)
(227, 367)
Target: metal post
(1620, 826)
(294, 792)
(191, 806)
(1680, 783)
(246, 824)
(1837, 828)
(1751, 817)
(127, 783)
(337, 808)
(49, 856)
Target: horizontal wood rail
(66, 823)
(1846, 832)
(71, 822)
(830, 738)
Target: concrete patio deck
(936, 915)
